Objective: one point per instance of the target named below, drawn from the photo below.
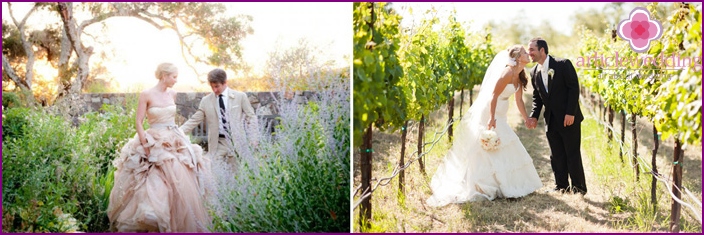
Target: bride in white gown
(470, 173)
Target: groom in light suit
(225, 130)
(556, 87)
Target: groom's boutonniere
(551, 72)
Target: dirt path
(538, 212)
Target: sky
(139, 47)
(479, 13)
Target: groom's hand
(532, 123)
(569, 120)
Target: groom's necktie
(223, 114)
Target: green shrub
(39, 174)
(14, 122)
(57, 177)
(107, 131)
(11, 100)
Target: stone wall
(187, 104)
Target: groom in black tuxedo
(555, 86)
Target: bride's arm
(141, 112)
(500, 85)
(519, 103)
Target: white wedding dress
(165, 191)
(470, 173)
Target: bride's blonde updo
(515, 53)
(164, 69)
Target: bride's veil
(478, 114)
(449, 181)
(486, 90)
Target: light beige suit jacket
(238, 108)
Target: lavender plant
(297, 179)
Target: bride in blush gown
(470, 173)
(159, 175)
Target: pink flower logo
(639, 29)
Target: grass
(631, 199)
(615, 202)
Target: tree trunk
(653, 185)
(10, 72)
(82, 53)
(623, 135)
(677, 184)
(26, 83)
(65, 70)
(401, 174)
(27, 46)
(609, 130)
(365, 210)
(602, 114)
(636, 165)
(471, 92)
(420, 143)
(451, 107)
(461, 102)
(598, 113)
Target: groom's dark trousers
(561, 98)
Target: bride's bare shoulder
(146, 92)
(507, 73)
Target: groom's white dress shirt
(225, 97)
(544, 71)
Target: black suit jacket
(563, 95)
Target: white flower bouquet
(489, 140)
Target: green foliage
(394, 84)
(14, 122)
(677, 105)
(98, 87)
(57, 177)
(671, 98)
(384, 224)
(108, 130)
(43, 158)
(377, 69)
(426, 81)
(11, 100)
(619, 205)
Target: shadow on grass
(382, 145)
(525, 213)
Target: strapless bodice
(157, 115)
(507, 92)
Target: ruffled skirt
(163, 192)
(470, 173)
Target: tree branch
(26, 45)
(82, 53)
(24, 20)
(7, 69)
(184, 47)
(152, 22)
